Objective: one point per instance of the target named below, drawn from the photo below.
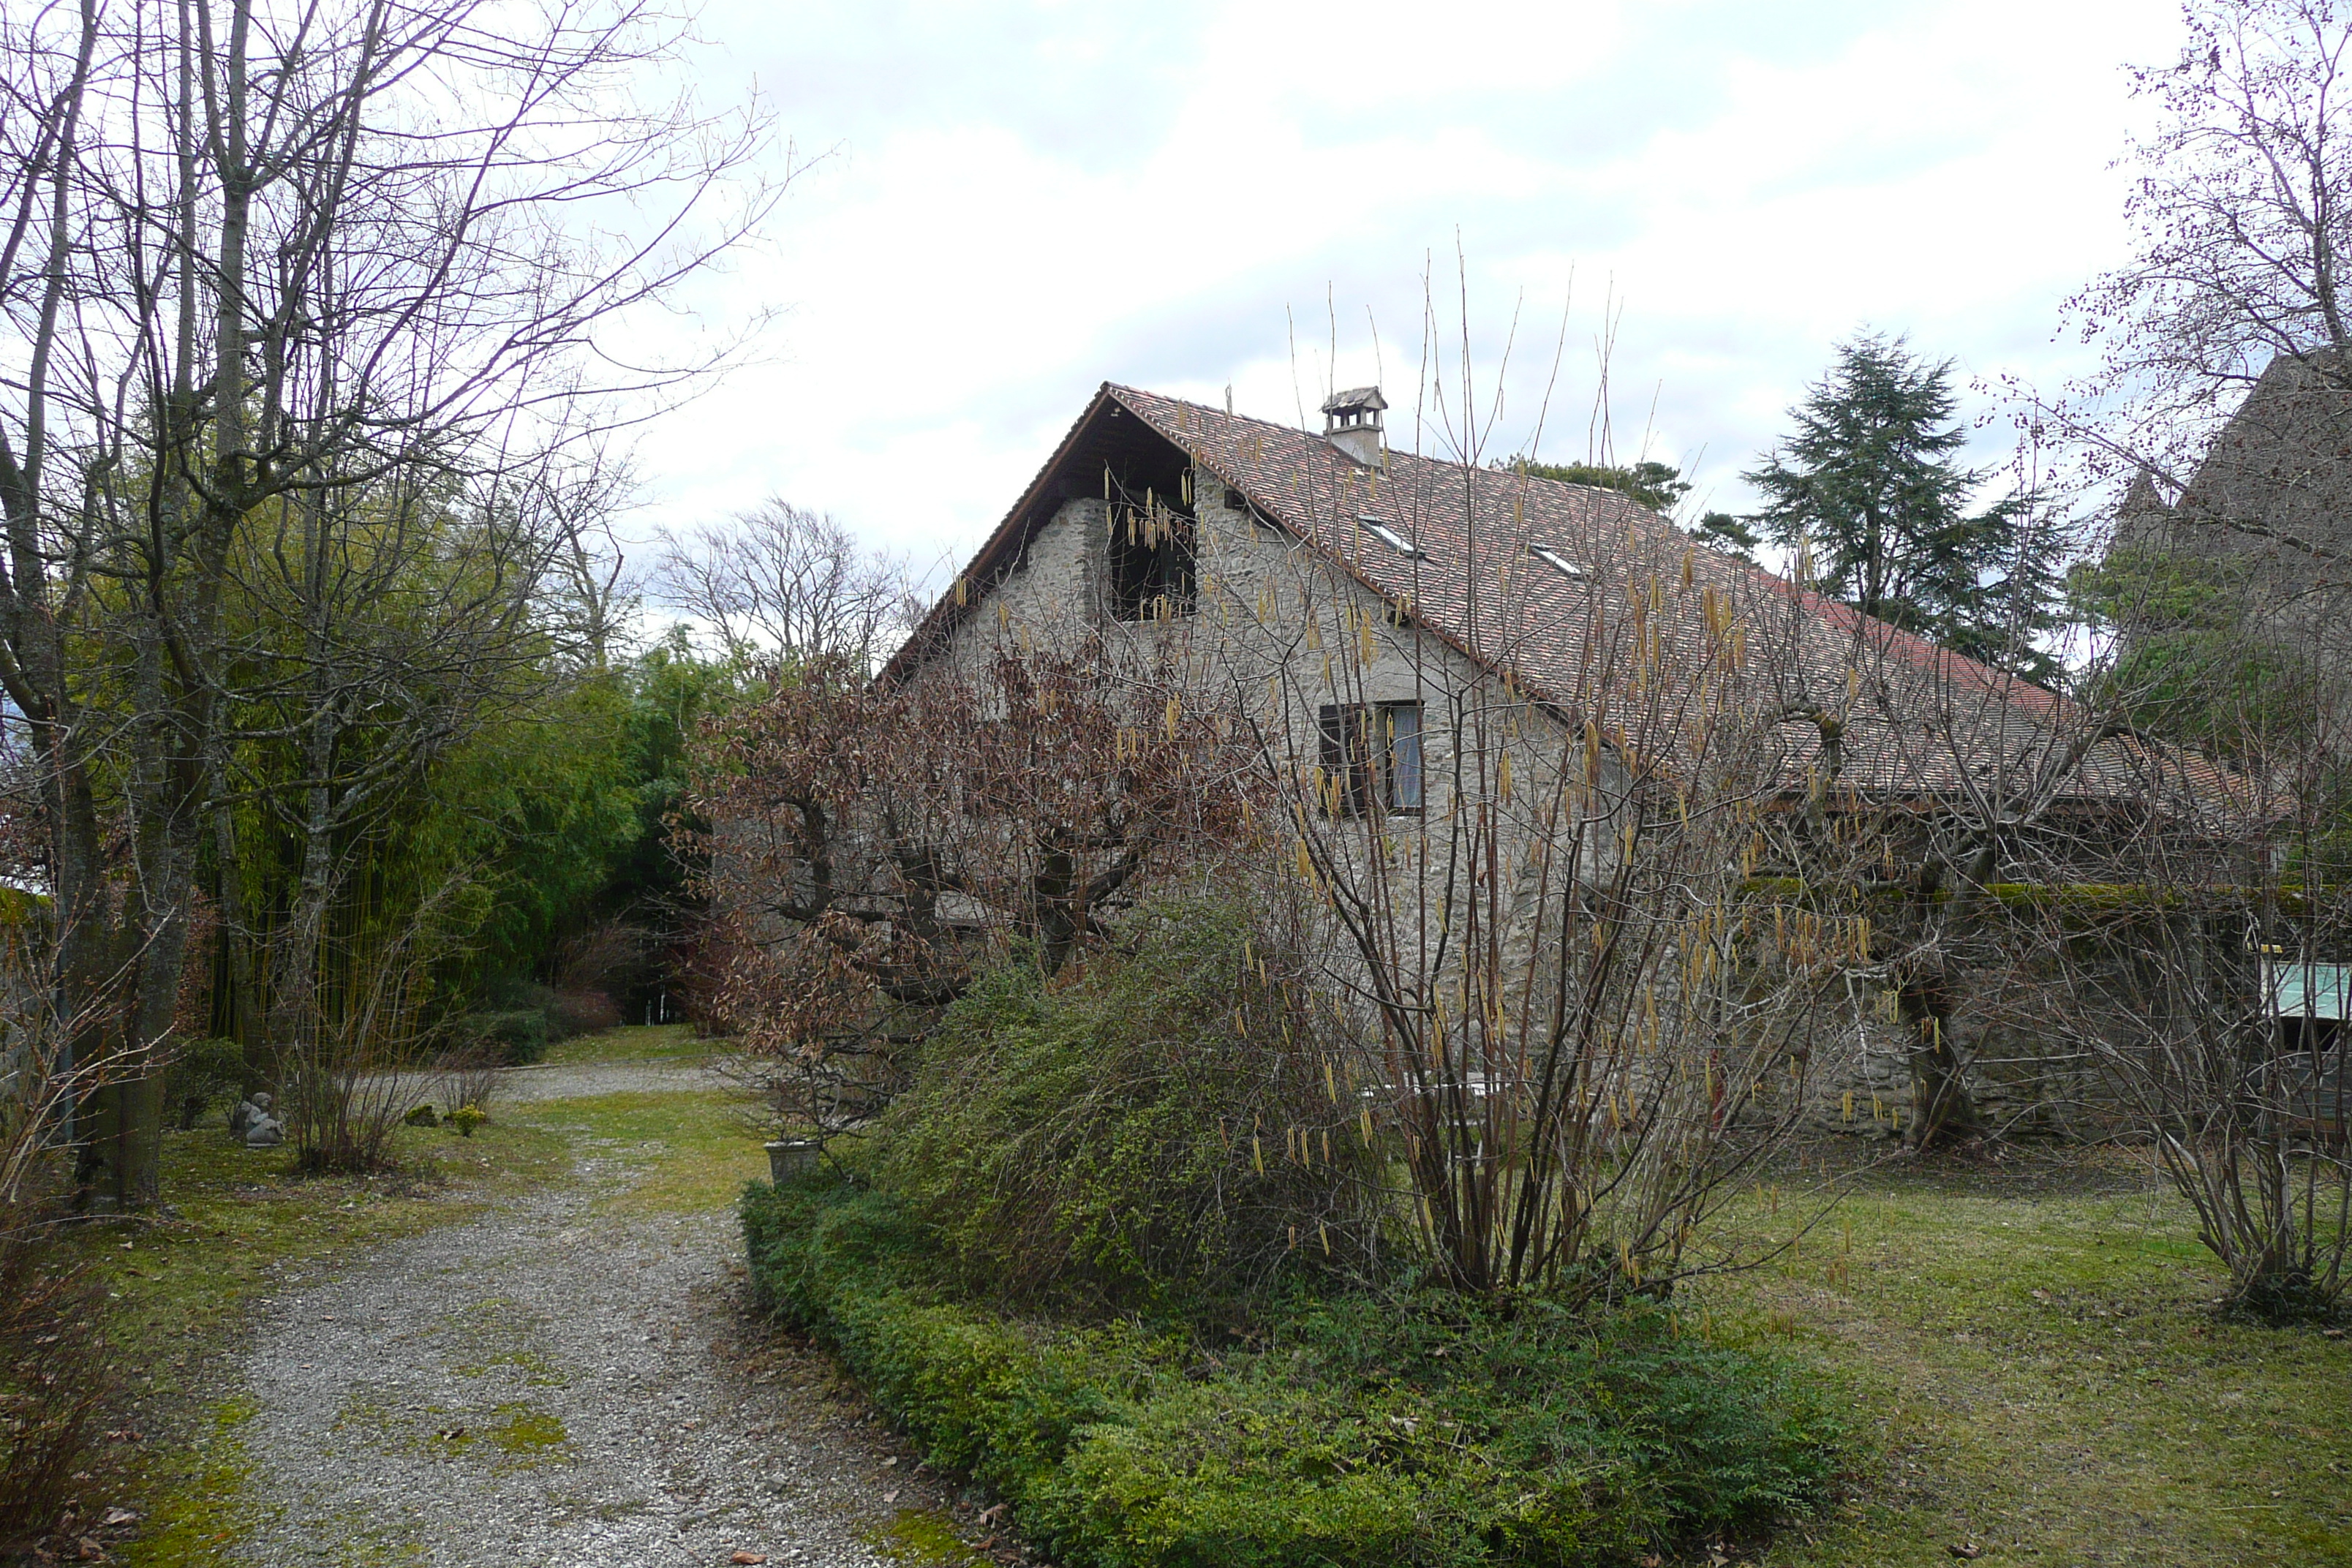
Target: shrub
(1152, 1129)
(585, 1012)
(52, 1356)
(1389, 1430)
(516, 1036)
(202, 1074)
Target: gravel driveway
(552, 1384)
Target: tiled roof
(1934, 722)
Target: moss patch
(202, 1521)
(527, 1434)
(690, 1151)
(920, 1538)
(537, 1371)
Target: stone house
(1417, 637)
(2263, 525)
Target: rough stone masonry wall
(1267, 603)
(2027, 1084)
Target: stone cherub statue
(252, 1123)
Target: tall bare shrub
(872, 846)
(51, 1313)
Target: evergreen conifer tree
(1870, 483)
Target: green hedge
(1126, 1137)
(517, 1037)
(1389, 1431)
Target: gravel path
(572, 1080)
(552, 1384)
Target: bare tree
(2208, 981)
(258, 256)
(872, 846)
(374, 630)
(2243, 211)
(779, 581)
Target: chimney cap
(1355, 400)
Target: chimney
(1351, 422)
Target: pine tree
(1655, 485)
(1721, 530)
(1870, 484)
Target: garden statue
(252, 1123)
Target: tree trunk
(295, 1015)
(1943, 1109)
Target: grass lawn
(690, 1151)
(634, 1043)
(2036, 1371)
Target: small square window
(1372, 751)
(1386, 532)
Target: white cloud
(1031, 199)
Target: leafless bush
(874, 845)
(52, 1368)
(468, 1075)
(2206, 976)
(345, 1090)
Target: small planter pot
(790, 1159)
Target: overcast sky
(1020, 201)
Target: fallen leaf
(747, 1557)
(450, 1434)
(119, 1516)
(890, 1496)
(892, 1460)
(1967, 1551)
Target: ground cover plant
(1350, 1428)
(2041, 1367)
(1137, 1248)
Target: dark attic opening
(1148, 488)
(1150, 560)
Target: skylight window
(1568, 568)
(1386, 532)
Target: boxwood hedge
(1407, 1428)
